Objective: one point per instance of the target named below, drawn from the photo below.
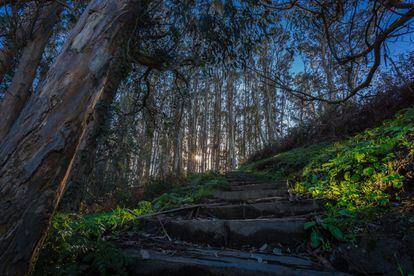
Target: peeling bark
(19, 90)
(85, 156)
(38, 152)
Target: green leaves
(77, 243)
(357, 172)
(316, 239)
(322, 230)
(368, 171)
(309, 224)
(335, 231)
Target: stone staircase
(250, 228)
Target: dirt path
(251, 228)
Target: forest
(206, 137)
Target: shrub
(79, 244)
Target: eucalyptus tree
(39, 150)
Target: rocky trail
(253, 227)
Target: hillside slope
(366, 182)
(348, 207)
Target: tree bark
(38, 152)
(85, 156)
(19, 90)
(192, 127)
(216, 123)
(230, 123)
(178, 141)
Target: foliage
(355, 176)
(339, 122)
(360, 172)
(158, 186)
(286, 164)
(79, 245)
(199, 185)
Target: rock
(252, 232)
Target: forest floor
(255, 227)
(249, 227)
(332, 208)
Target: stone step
(256, 210)
(255, 186)
(238, 173)
(246, 181)
(221, 232)
(250, 195)
(207, 261)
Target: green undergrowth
(81, 245)
(200, 185)
(355, 176)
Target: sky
(400, 46)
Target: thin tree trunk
(204, 132)
(19, 90)
(268, 96)
(216, 124)
(37, 154)
(177, 145)
(192, 128)
(18, 38)
(230, 124)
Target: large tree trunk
(38, 152)
(85, 156)
(19, 90)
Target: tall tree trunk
(19, 90)
(85, 156)
(216, 123)
(37, 154)
(17, 38)
(268, 96)
(192, 128)
(177, 145)
(149, 135)
(204, 132)
(230, 123)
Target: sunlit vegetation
(354, 175)
(123, 124)
(83, 244)
(80, 244)
(200, 186)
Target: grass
(357, 175)
(78, 245)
